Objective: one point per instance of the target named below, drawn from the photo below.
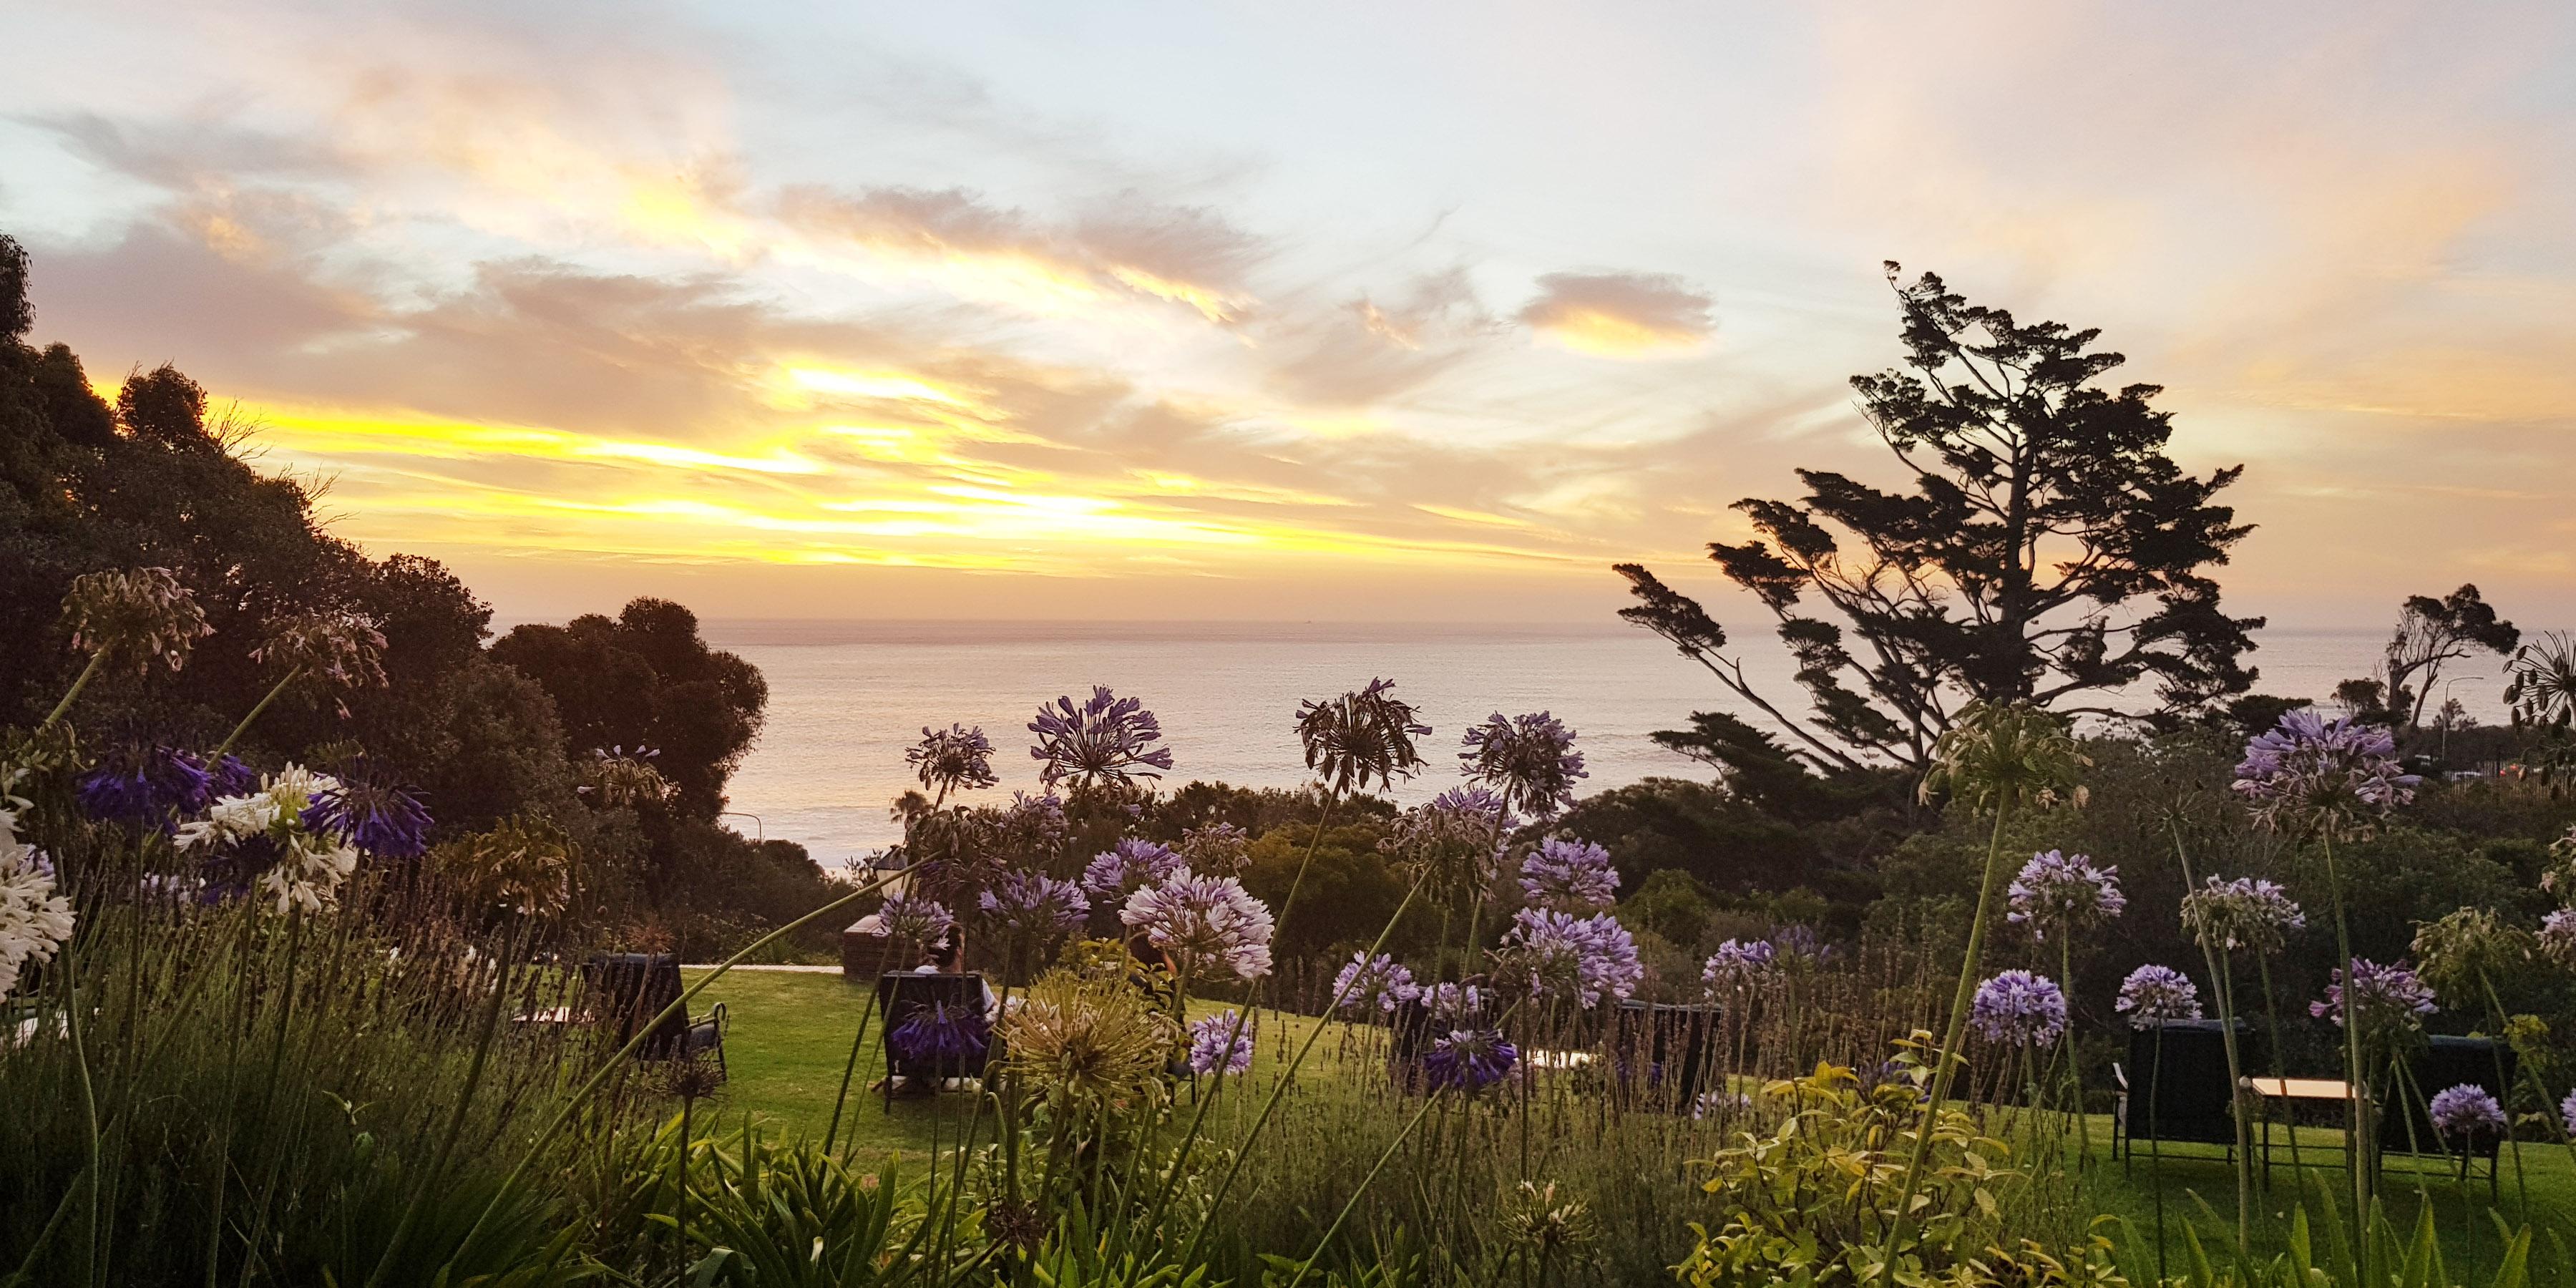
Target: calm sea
(846, 698)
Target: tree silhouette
(2049, 550)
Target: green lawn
(791, 1034)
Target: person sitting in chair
(942, 957)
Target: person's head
(942, 952)
(1141, 947)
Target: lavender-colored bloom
(1028, 905)
(1218, 849)
(1207, 924)
(1468, 1059)
(146, 786)
(2334, 774)
(1719, 1104)
(943, 1037)
(1457, 838)
(2063, 890)
(1106, 740)
(1798, 944)
(2152, 994)
(1133, 864)
(1366, 734)
(1565, 956)
(371, 813)
(1374, 985)
(2019, 1007)
(911, 918)
(952, 759)
(2385, 997)
(1221, 1041)
(2467, 1113)
(2558, 936)
(1528, 760)
(2247, 912)
(231, 777)
(1566, 874)
(1739, 964)
(2567, 1113)
(1456, 1002)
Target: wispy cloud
(1621, 315)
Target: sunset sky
(1297, 311)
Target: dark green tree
(645, 678)
(2430, 634)
(2048, 549)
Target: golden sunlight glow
(1608, 335)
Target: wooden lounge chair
(2442, 1063)
(2174, 1088)
(623, 992)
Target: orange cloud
(1620, 315)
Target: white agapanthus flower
(34, 920)
(310, 866)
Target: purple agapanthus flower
(1798, 944)
(1374, 985)
(953, 759)
(1222, 1041)
(1529, 761)
(1105, 740)
(943, 1036)
(2335, 774)
(1030, 905)
(2152, 994)
(1132, 864)
(146, 786)
(911, 918)
(2558, 936)
(1468, 1059)
(1456, 1002)
(2567, 1113)
(1584, 959)
(1219, 849)
(1567, 874)
(1362, 736)
(1738, 965)
(2019, 1007)
(1208, 924)
(372, 813)
(2467, 1113)
(2063, 891)
(2390, 996)
(2247, 912)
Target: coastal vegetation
(308, 886)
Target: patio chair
(1660, 1050)
(954, 1037)
(2178, 1092)
(2444, 1062)
(623, 992)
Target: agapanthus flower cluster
(1103, 741)
(1719, 1104)
(2386, 999)
(341, 649)
(146, 785)
(1374, 985)
(1739, 965)
(1216, 849)
(1994, 752)
(952, 759)
(916, 919)
(2247, 912)
(2467, 1113)
(376, 815)
(141, 613)
(1528, 760)
(2567, 1113)
(615, 776)
(2558, 936)
(2063, 891)
(2153, 994)
(1029, 824)
(1797, 945)
(1030, 906)
(270, 837)
(1221, 1042)
(2018, 1007)
(943, 1036)
(1454, 1001)
(1568, 874)
(1131, 865)
(1468, 1059)
(2336, 775)
(524, 865)
(35, 920)
(1363, 736)
(1584, 959)
(1209, 925)
(1457, 837)
(2463, 951)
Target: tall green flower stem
(2074, 1064)
(1326, 1239)
(2504, 1026)
(2361, 1154)
(2222, 988)
(90, 672)
(244, 727)
(1955, 1034)
(679, 1006)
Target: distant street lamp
(759, 830)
